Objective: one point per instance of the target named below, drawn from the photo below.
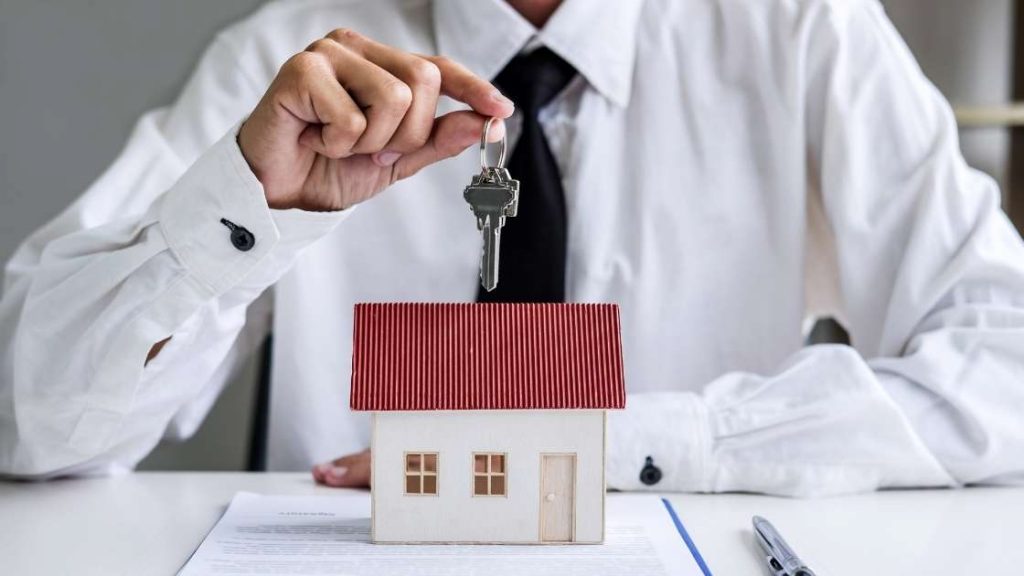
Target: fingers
(425, 78)
(352, 471)
(428, 75)
(310, 93)
(359, 96)
(336, 123)
(421, 76)
(452, 133)
(459, 83)
(383, 98)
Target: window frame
(422, 473)
(489, 474)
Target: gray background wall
(74, 75)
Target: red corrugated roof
(487, 357)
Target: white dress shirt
(730, 168)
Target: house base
(549, 487)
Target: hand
(352, 471)
(348, 117)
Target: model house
(488, 419)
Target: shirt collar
(600, 42)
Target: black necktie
(533, 244)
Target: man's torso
(686, 202)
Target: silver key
(493, 196)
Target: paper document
(313, 535)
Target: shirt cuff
(217, 222)
(670, 428)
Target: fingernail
(322, 468)
(337, 472)
(386, 157)
(501, 99)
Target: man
(722, 170)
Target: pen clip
(774, 567)
(768, 539)
(781, 560)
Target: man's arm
(931, 276)
(127, 308)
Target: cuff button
(241, 238)
(650, 474)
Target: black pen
(782, 561)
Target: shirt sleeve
(146, 253)
(931, 276)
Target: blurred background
(74, 76)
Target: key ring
(483, 148)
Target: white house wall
(455, 514)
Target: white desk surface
(149, 523)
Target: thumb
(452, 133)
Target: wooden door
(557, 497)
